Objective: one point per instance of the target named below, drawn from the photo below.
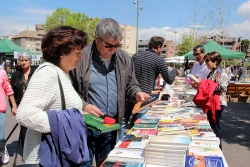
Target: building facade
(167, 51)
(129, 39)
(30, 39)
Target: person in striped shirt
(148, 65)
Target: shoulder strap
(60, 88)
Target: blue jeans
(100, 145)
(2, 131)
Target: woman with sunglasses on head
(219, 76)
(19, 83)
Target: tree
(205, 21)
(188, 42)
(245, 44)
(63, 16)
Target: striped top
(43, 94)
(148, 65)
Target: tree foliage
(188, 41)
(63, 16)
(245, 44)
(209, 20)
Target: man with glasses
(104, 78)
(200, 69)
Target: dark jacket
(18, 85)
(66, 145)
(127, 85)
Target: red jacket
(206, 99)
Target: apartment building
(129, 39)
(167, 51)
(226, 42)
(30, 39)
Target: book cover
(145, 126)
(97, 123)
(146, 121)
(121, 163)
(173, 132)
(146, 103)
(208, 144)
(134, 144)
(205, 151)
(192, 78)
(142, 132)
(171, 139)
(204, 161)
(205, 138)
(129, 153)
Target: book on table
(97, 123)
(145, 126)
(205, 138)
(139, 143)
(204, 161)
(146, 121)
(133, 154)
(119, 163)
(170, 139)
(139, 106)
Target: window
(128, 39)
(127, 47)
(127, 31)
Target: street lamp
(239, 40)
(136, 2)
(175, 42)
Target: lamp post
(239, 40)
(175, 42)
(136, 2)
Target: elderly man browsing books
(105, 77)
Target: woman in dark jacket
(19, 82)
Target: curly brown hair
(61, 41)
(214, 57)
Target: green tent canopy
(211, 46)
(9, 47)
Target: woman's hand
(13, 111)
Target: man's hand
(140, 96)
(91, 109)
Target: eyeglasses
(196, 54)
(108, 45)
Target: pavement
(235, 122)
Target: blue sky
(158, 17)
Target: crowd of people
(97, 78)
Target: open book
(192, 78)
(146, 103)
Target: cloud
(240, 29)
(34, 10)
(165, 32)
(244, 10)
(12, 28)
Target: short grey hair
(25, 55)
(109, 28)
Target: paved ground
(235, 125)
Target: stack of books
(165, 150)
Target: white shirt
(42, 95)
(201, 71)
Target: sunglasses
(196, 54)
(108, 45)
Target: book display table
(174, 133)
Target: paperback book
(146, 103)
(97, 123)
(204, 161)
